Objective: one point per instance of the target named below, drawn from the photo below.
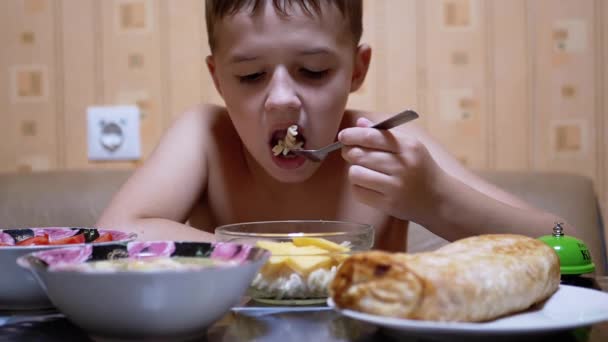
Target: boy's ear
(212, 70)
(363, 57)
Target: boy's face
(274, 71)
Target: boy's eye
(251, 77)
(314, 74)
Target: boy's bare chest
(232, 197)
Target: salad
(57, 236)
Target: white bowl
(18, 288)
(146, 304)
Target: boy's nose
(282, 95)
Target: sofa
(76, 198)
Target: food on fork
(288, 143)
(475, 279)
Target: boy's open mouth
(278, 138)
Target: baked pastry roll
(474, 279)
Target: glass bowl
(305, 256)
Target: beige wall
(507, 85)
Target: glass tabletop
(266, 323)
(313, 325)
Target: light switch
(113, 133)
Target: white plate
(570, 307)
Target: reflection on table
(268, 324)
(323, 325)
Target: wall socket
(113, 133)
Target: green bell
(574, 256)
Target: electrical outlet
(113, 133)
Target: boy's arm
(407, 174)
(472, 205)
(157, 199)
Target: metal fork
(393, 121)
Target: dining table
(256, 322)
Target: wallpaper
(505, 85)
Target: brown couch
(76, 198)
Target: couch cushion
(58, 198)
(571, 196)
(77, 198)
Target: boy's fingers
(369, 137)
(369, 179)
(364, 122)
(385, 162)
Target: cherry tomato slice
(35, 241)
(105, 237)
(69, 240)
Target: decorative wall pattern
(506, 85)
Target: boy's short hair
(218, 9)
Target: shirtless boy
(278, 64)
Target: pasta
(288, 143)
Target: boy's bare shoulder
(204, 120)
(206, 114)
(192, 130)
(206, 126)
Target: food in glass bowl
(305, 256)
(18, 288)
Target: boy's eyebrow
(239, 58)
(242, 58)
(316, 51)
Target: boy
(283, 63)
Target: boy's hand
(391, 170)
